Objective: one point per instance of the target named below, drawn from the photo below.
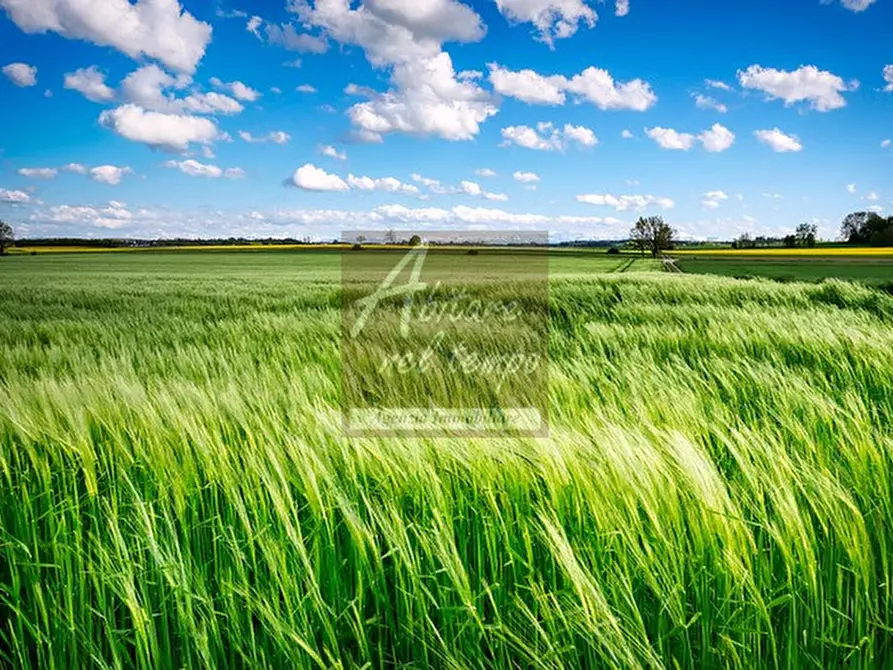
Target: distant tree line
(590, 244)
(748, 241)
(805, 236)
(867, 228)
(391, 238)
(112, 243)
(858, 228)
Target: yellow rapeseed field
(210, 247)
(817, 251)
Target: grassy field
(870, 265)
(176, 490)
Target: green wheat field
(176, 489)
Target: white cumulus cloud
(465, 187)
(393, 31)
(253, 26)
(426, 96)
(195, 169)
(821, 89)
(529, 138)
(485, 172)
(546, 137)
(159, 29)
(625, 203)
(277, 137)
(474, 189)
(171, 132)
(331, 152)
(237, 88)
(434, 185)
(888, 78)
(104, 174)
(713, 199)
(90, 83)
(21, 74)
(113, 216)
(109, 174)
(528, 86)
(553, 19)
(387, 184)
(526, 177)
(779, 141)
(593, 85)
(14, 197)
(599, 87)
(706, 102)
(38, 173)
(717, 139)
(148, 88)
(667, 138)
(470, 188)
(580, 134)
(857, 5)
(427, 99)
(311, 178)
(715, 83)
(287, 37)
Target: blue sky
(309, 117)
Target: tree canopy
(806, 234)
(867, 228)
(652, 233)
(6, 236)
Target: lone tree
(6, 236)
(806, 234)
(867, 228)
(653, 233)
(853, 227)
